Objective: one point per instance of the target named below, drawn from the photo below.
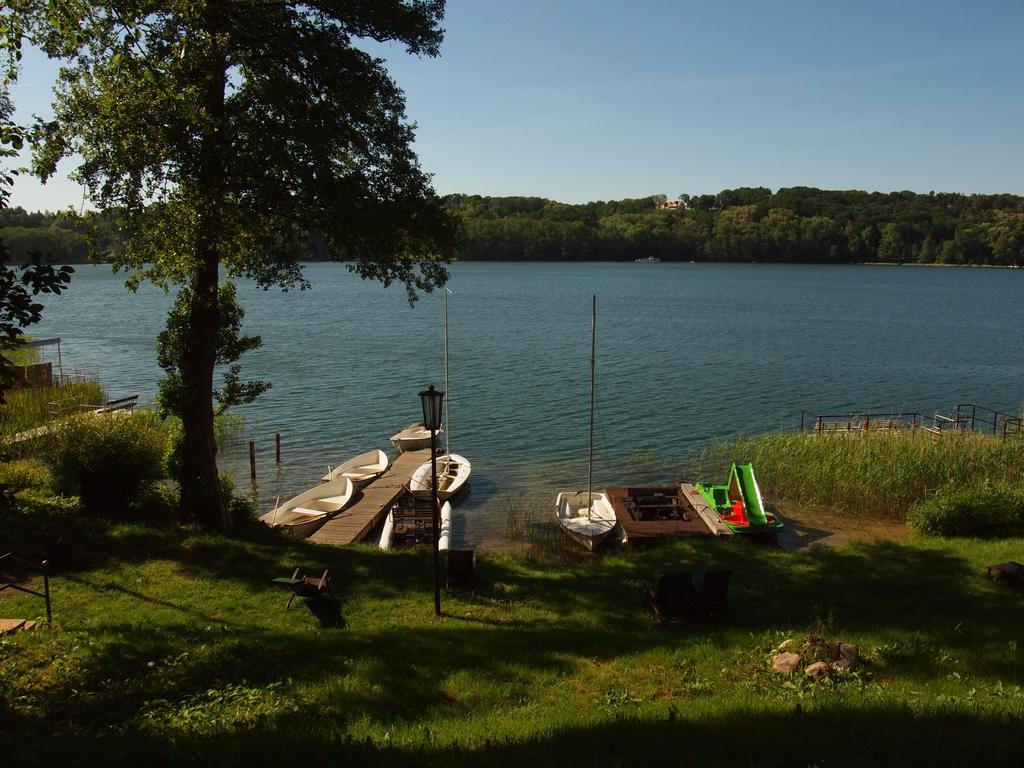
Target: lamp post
(432, 400)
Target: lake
(686, 353)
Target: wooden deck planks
(702, 508)
(353, 524)
(637, 530)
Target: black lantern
(432, 400)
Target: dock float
(354, 524)
(702, 508)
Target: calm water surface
(686, 353)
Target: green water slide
(751, 495)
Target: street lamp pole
(432, 401)
(436, 522)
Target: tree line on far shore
(796, 224)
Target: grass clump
(107, 460)
(26, 409)
(881, 475)
(20, 474)
(985, 509)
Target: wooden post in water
(252, 459)
(277, 447)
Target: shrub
(107, 460)
(39, 502)
(978, 510)
(23, 473)
(242, 509)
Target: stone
(841, 666)
(817, 670)
(848, 652)
(786, 663)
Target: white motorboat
(302, 515)
(361, 469)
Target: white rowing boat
(361, 469)
(302, 515)
(412, 438)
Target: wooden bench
(121, 404)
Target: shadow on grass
(829, 737)
(396, 669)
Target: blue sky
(598, 100)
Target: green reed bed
(30, 408)
(876, 474)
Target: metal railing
(977, 417)
(861, 422)
(45, 594)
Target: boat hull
(302, 515)
(413, 438)
(360, 469)
(453, 473)
(588, 519)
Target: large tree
(231, 132)
(19, 286)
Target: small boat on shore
(647, 260)
(452, 473)
(302, 515)
(453, 470)
(412, 438)
(409, 523)
(360, 469)
(587, 516)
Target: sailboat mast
(447, 389)
(590, 451)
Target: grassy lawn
(173, 646)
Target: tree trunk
(201, 497)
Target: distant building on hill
(671, 204)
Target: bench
(121, 404)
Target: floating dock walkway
(664, 512)
(355, 523)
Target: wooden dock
(665, 513)
(355, 523)
(702, 508)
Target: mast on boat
(590, 449)
(447, 389)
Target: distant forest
(797, 224)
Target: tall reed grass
(30, 408)
(879, 475)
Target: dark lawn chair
(306, 586)
(712, 590)
(460, 567)
(1011, 573)
(675, 597)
